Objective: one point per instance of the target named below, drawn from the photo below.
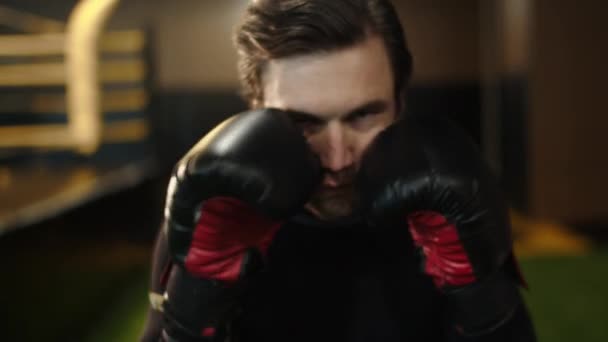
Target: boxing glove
(427, 175)
(225, 201)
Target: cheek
(365, 138)
(314, 141)
(318, 142)
(362, 142)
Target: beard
(329, 203)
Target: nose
(336, 154)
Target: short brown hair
(273, 29)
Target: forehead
(330, 84)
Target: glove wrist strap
(485, 305)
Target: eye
(309, 127)
(308, 123)
(362, 115)
(361, 118)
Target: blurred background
(99, 98)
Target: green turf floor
(62, 294)
(125, 318)
(568, 297)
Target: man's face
(350, 96)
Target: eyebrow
(299, 116)
(374, 106)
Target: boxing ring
(73, 112)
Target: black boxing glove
(225, 201)
(426, 174)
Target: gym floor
(83, 276)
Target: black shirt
(341, 282)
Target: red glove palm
(226, 228)
(446, 260)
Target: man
(327, 213)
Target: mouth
(335, 191)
